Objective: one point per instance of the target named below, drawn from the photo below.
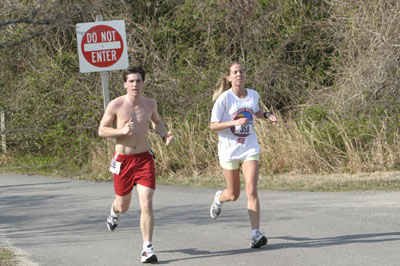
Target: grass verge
(299, 182)
(7, 257)
(379, 180)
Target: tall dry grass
(193, 154)
(296, 147)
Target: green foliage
(296, 54)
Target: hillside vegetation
(328, 69)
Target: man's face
(134, 84)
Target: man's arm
(159, 127)
(106, 129)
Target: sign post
(104, 78)
(102, 47)
(3, 129)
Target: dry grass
(291, 158)
(332, 182)
(295, 155)
(284, 148)
(7, 257)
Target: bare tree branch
(34, 18)
(34, 35)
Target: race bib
(115, 166)
(244, 129)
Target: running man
(232, 117)
(127, 119)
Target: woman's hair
(223, 84)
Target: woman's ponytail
(222, 85)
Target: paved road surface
(61, 222)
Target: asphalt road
(61, 222)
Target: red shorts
(135, 169)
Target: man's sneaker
(148, 254)
(112, 222)
(258, 240)
(215, 208)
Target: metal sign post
(104, 78)
(3, 129)
(102, 47)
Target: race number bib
(244, 129)
(115, 166)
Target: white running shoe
(112, 222)
(149, 255)
(258, 240)
(215, 208)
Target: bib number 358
(244, 129)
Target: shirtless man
(127, 119)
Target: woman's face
(236, 75)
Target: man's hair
(134, 70)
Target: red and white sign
(102, 46)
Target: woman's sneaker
(112, 222)
(215, 208)
(258, 240)
(148, 254)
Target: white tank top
(239, 142)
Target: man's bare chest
(139, 115)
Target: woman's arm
(267, 115)
(215, 126)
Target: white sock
(255, 232)
(147, 244)
(218, 202)
(112, 213)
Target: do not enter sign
(102, 46)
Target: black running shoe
(148, 255)
(112, 222)
(258, 240)
(215, 208)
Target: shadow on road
(333, 241)
(34, 184)
(198, 254)
(294, 242)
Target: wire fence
(57, 148)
